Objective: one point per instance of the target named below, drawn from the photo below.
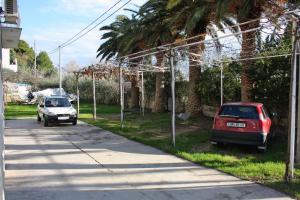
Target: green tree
(271, 78)
(246, 10)
(44, 64)
(209, 86)
(122, 39)
(24, 54)
(193, 18)
(155, 34)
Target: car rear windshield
(57, 102)
(246, 112)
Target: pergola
(115, 69)
(202, 50)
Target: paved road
(87, 163)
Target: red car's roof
(243, 104)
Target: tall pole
(2, 124)
(60, 74)
(298, 111)
(94, 97)
(173, 98)
(289, 174)
(143, 95)
(35, 68)
(78, 98)
(221, 83)
(121, 96)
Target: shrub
(209, 86)
(107, 91)
(271, 80)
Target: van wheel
(74, 122)
(46, 123)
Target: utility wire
(90, 24)
(71, 42)
(73, 39)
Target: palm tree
(121, 39)
(194, 18)
(244, 11)
(156, 32)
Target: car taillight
(260, 124)
(217, 122)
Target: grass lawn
(15, 111)
(192, 144)
(18, 111)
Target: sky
(51, 22)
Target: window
(57, 102)
(265, 112)
(246, 112)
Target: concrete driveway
(83, 162)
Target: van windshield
(245, 112)
(57, 102)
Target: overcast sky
(51, 22)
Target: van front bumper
(55, 119)
(248, 138)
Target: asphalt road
(83, 162)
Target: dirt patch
(199, 124)
(182, 129)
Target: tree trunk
(248, 51)
(249, 42)
(159, 102)
(134, 79)
(194, 99)
(134, 93)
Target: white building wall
(6, 61)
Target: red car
(242, 123)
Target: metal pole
(121, 97)
(293, 120)
(78, 98)
(221, 83)
(143, 95)
(173, 98)
(35, 69)
(60, 74)
(298, 114)
(292, 111)
(2, 123)
(94, 97)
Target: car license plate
(237, 125)
(63, 118)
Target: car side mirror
(42, 106)
(72, 102)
